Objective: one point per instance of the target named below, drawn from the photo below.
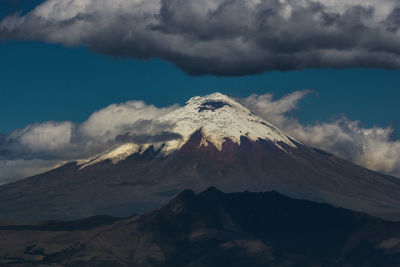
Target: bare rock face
(222, 144)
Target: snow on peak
(217, 116)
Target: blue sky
(41, 82)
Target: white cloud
(40, 146)
(116, 119)
(275, 110)
(40, 137)
(372, 147)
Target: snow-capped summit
(220, 117)
(217, 116)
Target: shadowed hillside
(211, 229)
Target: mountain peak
(217, 117)
(220, 117)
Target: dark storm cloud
(393, 20)
(223, 37)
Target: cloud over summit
(223, 37)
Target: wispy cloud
(223, 37)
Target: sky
(65, 60)
(42, 82)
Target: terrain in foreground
(211, 228)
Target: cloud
(375, 148)
(223, 37)
(41, 146)
(274, 110)
(35, 139)
(116, 119)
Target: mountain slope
(212, 229)
(222, 144)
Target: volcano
(216, 142)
